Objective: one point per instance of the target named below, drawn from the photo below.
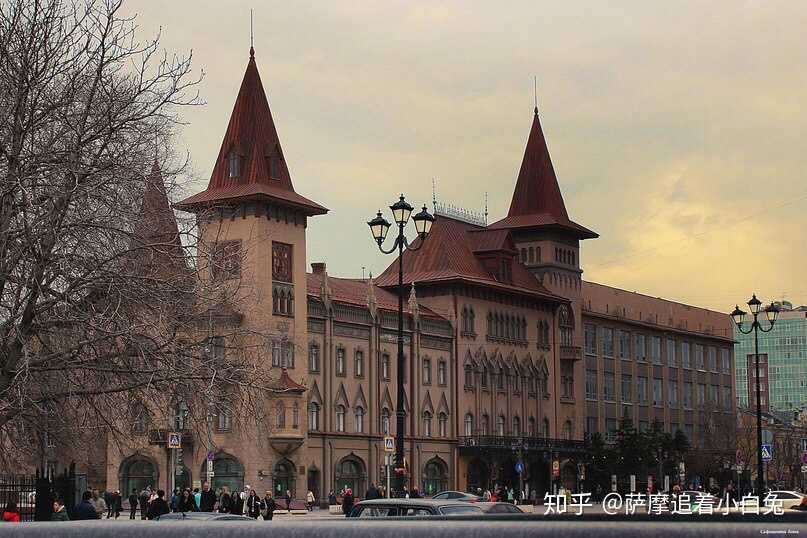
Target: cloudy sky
(677, 129)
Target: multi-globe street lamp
(379, 227)
(771, 312)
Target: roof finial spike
(535, 88)
(486, 208)
(251, 37)
(434, 194)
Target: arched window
(385, 421)
(295, 415)
(469, 376)
(568, 430)
(350, 473)
(469, 424)
(485, 424)
(472, 321)
(284, 478)
(359, 420)
(313, 416)
(523, 255)
(516, 427)
(137, 472)
(484, 378)
(227, 471)
(441, 372)
(224, 418)
(532, 431)
(427, 424)
(385, 366)
(313, 358)
(280, 414)
(500, 426)
(340, 361)
(545, 431)
(435, 476)
(340, 418)
(442, 425)
(532, 255)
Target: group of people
(500, 494)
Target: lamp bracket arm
(749, 331)
(769, 329)
(392, 249)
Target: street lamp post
(379, 227)
(739, 318)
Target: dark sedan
(457, 496)
(382, 508)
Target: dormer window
(234, 164)
(274, 167)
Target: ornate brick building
(497, 320)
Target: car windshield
(376, 511)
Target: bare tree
(103, 321)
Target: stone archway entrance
(137, 472)
(351, 473)
(313, 481)
(537, 478)
(435, 476)
(284, 478)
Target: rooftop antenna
(362, 272)
(535, 92)
(251, 37)
(486, 208)
(434, 194)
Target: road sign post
(389, 443)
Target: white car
(789, 499)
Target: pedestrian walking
(158, 506)
(132, 503)
(85, 509)
(175, 495)
(59, 512)
(347, 502)
(253, 504)
(309, 500)
(115, 504)
(207, 500)
(225, 500)
(187, 502)
(288, 501)
(98, 503)
(11, 514)
(268, 506)
(108, 500)
(237, 505)
(145, 495)
(331, 498)
(197, 497)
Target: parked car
(790, 499)
(202, 516)
(499, 508)
(457, 496)
(412, 508)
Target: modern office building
(783, 363)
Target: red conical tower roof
(537, 189)
(252, 140)
(537, 200)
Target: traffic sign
(174, 440)
(555, 467)
(389, 443)
(210, 456)
(767, 452)
(804, 458)
(519, 467)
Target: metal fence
(20, 490)
(34, 494)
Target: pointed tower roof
(252, 139)
(537, 200)
(155, 235)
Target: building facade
(783, 363)
(503, 337)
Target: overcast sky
(677, 129)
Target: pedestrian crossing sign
(389, 443)
(767, 453)
(174, 440)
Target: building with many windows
(509, 354)
(783, 363)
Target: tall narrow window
(313, 358)
(340, 418)
(385, 367)
(313, 416)
(500, 426)
(385, 421)
(469, 376)
(234, 164)
(442, 424)
(280, 415)
(469, 424)
(340, 361)
(358, 365)
(441, 372)
(427, 424)
(427, 371)
(359, 420)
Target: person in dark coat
(288, 500)
(208, 499)
(237, 504)
(372, 492)
(59, 512)
(226, 501)
(145, 495)
(268, 506)
(85, 509)
(158, 506)
(115, 504)
(253, 505)
(347, 502)
(133, 503)
(187, 503)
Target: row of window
(718, 396)
(507, 327)
(273, 164)
(532, 384)
(340, 412)
(531, 255)
(483, 428)
(340, 365)
(603, 341)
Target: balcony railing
(506, 442)
(571, 353)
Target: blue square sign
(767, 452)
